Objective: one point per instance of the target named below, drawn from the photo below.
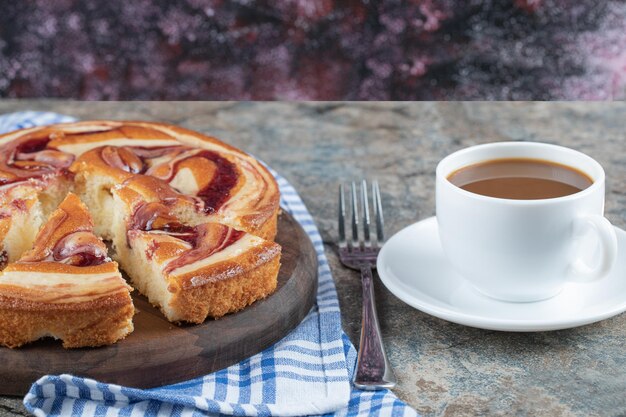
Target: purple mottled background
(313, 49)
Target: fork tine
(366, 214)
(342, 218)
(378, 212)
(355, 218)
(375, 208)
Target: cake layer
(62, 284)
(48, 282)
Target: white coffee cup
(524, 250)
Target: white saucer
(413, 267)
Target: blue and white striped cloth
(306, 373)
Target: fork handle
(373, 371)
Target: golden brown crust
(251, 259)
(221, 297)
(269, 228)
(91, 326)
(118, 129)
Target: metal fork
(372, 368)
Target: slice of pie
(195, 272)
(34, 179)
(65, 286)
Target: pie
(65, 286)
(190, 219)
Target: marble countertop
(443, 368)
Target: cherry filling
(80, 249)
(4, 259)
(210, 238)
(218, 190)
(205, 239)
(32, 145)
(136, 160)
(156, 216)
(188, 234)
(85, 259)
(31, 158)
(20, 205)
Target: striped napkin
(306, 373)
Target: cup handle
(605, 231)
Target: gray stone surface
(443, 368)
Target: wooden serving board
(160, 353)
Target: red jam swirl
(30, 157)
(157, 216)
(32, 145)
(79, 248)
(217, 192)
(205, 239)
(4, 259)
(210, 238)
(140, 160)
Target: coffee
(520, 179)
